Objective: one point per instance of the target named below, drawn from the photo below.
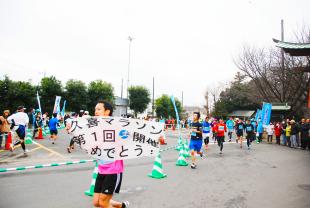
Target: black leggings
(220, 140)
(230, 135)
(278, 140)
(269, 138)
(206, 140)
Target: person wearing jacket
(304, 134)
(294, 132)
(4, 127)
(277, 132)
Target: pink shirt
(108, 167)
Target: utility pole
(130, 40)
(282, 39)
(122, 89)
(282, 60)
(182, 99)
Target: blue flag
(266, 113)
(176, 110)
(258, 114)
(63, 109)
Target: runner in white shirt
(18, 122)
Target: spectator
(37, 124)
(294, 132)
(304, 134)
(270, 131)
(278, 132)
(4, 127)
(288, 133)
(31, 116)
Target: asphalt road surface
(268, 176)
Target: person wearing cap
(19, 121)
(4, 126)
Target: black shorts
(54, 132)
(239, 133)
(250, 136)
(220, 139)
(108, 183)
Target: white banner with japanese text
(116, 138)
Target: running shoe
(68, 149)
(193, 166)
(221, 152)
(125, 204)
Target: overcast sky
(186, 45)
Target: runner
(206, 132)
(239, 131)
(253, 122)
(53, 127)
(68, 126)
(230, 126)
(109, 178)
(249, 129)
(196, 139)
(220, 130)
(18, 122)
(213, 124)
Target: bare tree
(273, 82)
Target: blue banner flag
(39, 104)
(258, 114)
(266, 113)
(176, 110)
(63, 109)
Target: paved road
(266, 176)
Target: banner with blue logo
(56, 108)
(116, 138)
(266, 113)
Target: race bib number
(240, 127)
(193, 134)
(206, 128)
(249, 128)
(221, 128)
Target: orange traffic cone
(162, 140)
(40, 136)
(8, 141)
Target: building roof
(294, 49)
(280, 107)
(242, 113)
